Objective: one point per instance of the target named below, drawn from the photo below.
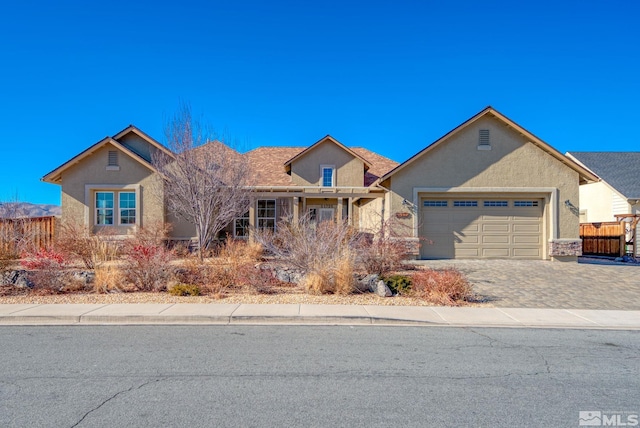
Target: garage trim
(550, 193)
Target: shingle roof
(621, 170)
(267, 164)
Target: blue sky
(392, 76)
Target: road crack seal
(111, 398)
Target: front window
(328, 176)
(115, 208)
(241, 226)
(267, 214)
(127, 207)
(104, 208)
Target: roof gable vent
(484, 143)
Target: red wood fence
(603, 239)
(16, 234)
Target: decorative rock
(290, 275)
(382, 290)
(17, 278)
(368, 283)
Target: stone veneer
(565, 247)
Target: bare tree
(205, 182)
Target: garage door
(481, 228)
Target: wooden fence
(603, 239)
(30, 232)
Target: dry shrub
(344, 276)
(444, 286)
(236, 250)
(91, 248)
(47, 270)
(108, 279)
(316, 282)
(147, 261)
(322, 251)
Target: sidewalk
(303, 314)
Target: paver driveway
(545, 284)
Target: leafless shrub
(383, 250)
(318, 250)
(147, 261)
(91, 248)
(444, 286)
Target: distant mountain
(27, 209)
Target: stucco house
(617, 191)
(486, 189)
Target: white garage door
(481, 228)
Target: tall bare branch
(205, 181)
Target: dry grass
(108, 279)
(444, 286)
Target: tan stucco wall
(597, 199)
(305, 171)
(92, 171)
(511, 162)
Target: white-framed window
(106, 213)
(127, 205)
(104, 208)
(328, 175)
(241, 226)
(267, 214)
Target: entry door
(326, 214)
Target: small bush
(317, 282)
(398, 284)
(239, 250)
(108, 279)
(92, 249)
(44, 258)
(445, 286)
(147, 266)
(185, 290)
(344, 277)
(46, 270)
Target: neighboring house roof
(620, 170)
(324, 139)
(266, 164)
(55, 176)
(585, 174)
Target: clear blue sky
(391, 76)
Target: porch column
(295, 204)
(340, 202)
(350, 211)
(252, 221)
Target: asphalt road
(284, 376)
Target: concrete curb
(301, 314)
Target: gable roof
(265, 164)
(324, 139)
(620, 170)
(55, 176)
(585, 174)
